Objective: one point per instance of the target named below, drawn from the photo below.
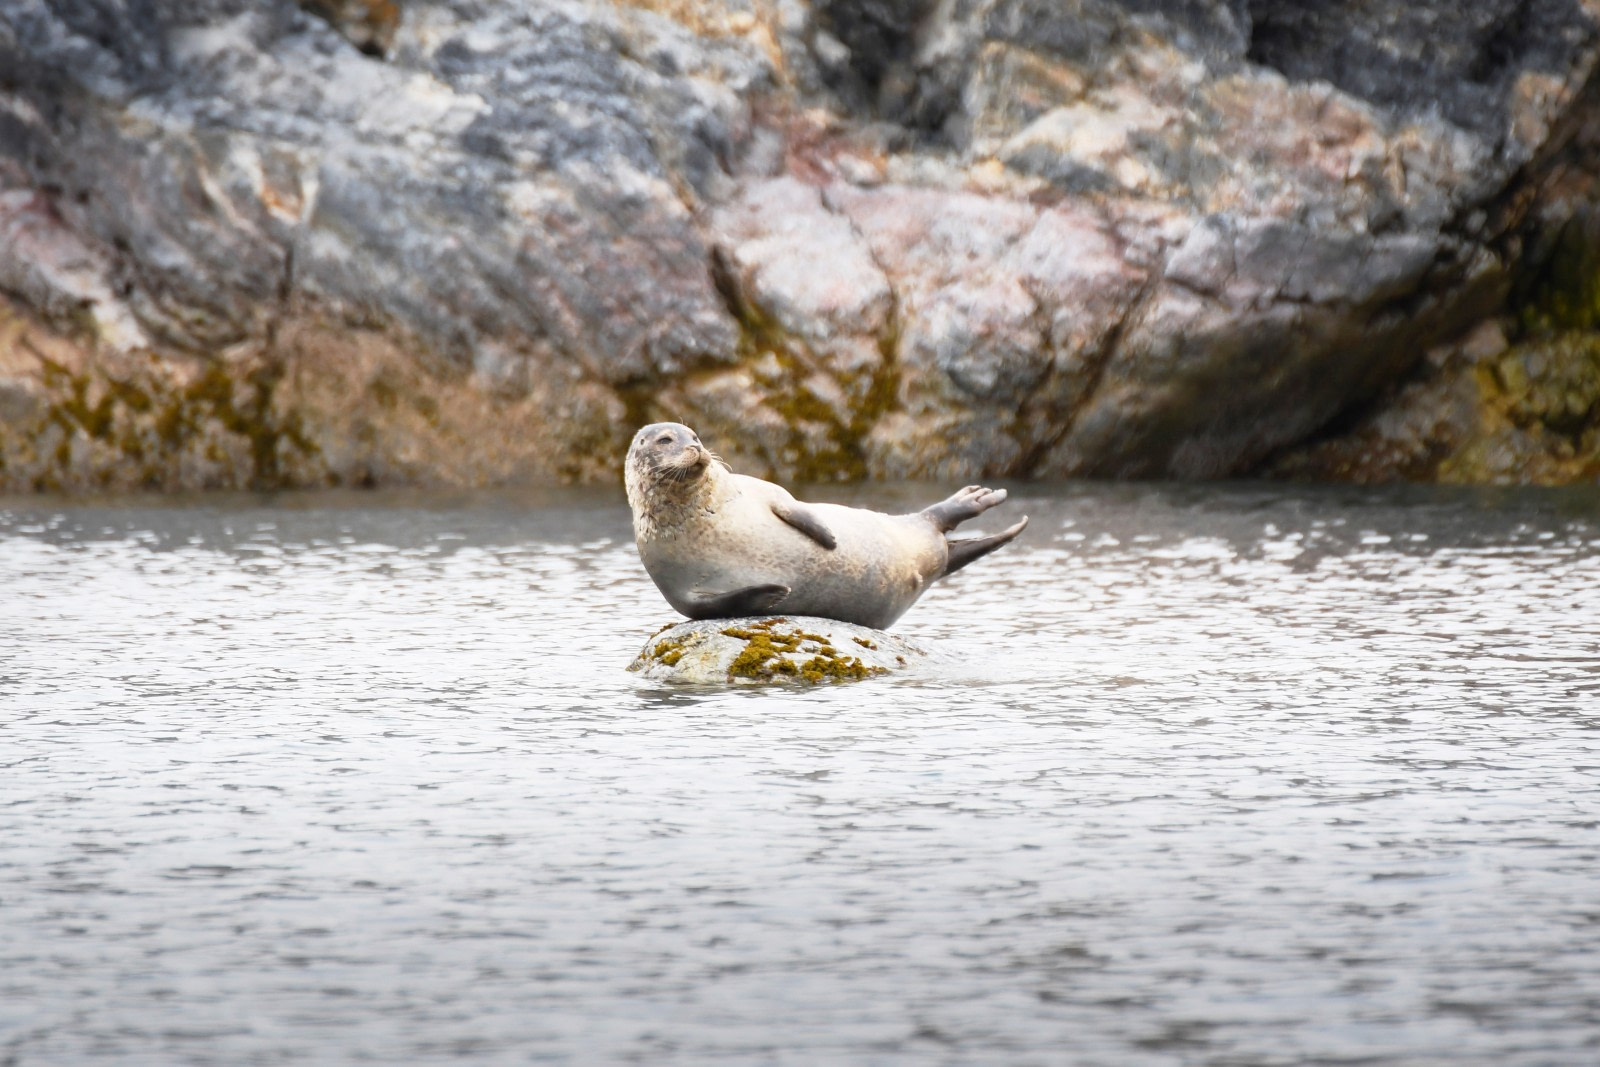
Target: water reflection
(1205, 775)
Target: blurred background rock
(247, 243)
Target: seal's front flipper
(806, 521)
(971, 502)
(751, 600)
(967, 549)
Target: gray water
(1207, 776)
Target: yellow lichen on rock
(1539, 419)
(770, 650)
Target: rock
(265, 243)
(1480, 411)
(368, 24)
(772, 650)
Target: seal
(721, 545)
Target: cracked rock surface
(255, 243)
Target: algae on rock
(1515, 400)
(772, 649)
(466, 243)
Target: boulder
(461, 242)
(784, 650)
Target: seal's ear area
(806, 521)
(751, 600)
(967, 549)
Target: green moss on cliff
(1540, 417)
(1553, 383)
(1559, 288)
(242, 404)
(785, 368)
(152, 423)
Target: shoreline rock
(250, 243)
(772, 650)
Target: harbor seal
(720, 545)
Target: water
(1211, 776)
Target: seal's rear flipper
(967, 549)
(751, 600)
(971, 502)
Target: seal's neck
(661, 503)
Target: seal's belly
(878, 569)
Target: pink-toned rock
(806, 268)
(479, 242)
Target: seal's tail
(967, 549)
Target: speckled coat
(718, 533)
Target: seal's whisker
(671, 472)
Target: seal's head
(667, 452)
(667, 467)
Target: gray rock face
(780, 650)
(469, 242)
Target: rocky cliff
(475, 241)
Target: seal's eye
(664, 439)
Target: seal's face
(668, 452)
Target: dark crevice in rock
(1510, 394)
(882, 392)
(1558, 287)
(875, 77)
(726, 284)
(1028, 464)
(512, 216)
(1442, 56)
(1447, 306)
(829, 204)
(1511, 35)
(1548, 222)
(370, 25)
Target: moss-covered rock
(320, 404)
(1514, 401)
(855, 239)
(783, 650)
(1558, 289)
(1538, 399)
(1539, 420)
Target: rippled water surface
(1208, 776)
